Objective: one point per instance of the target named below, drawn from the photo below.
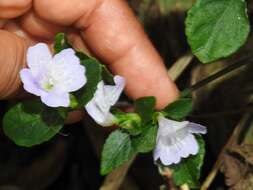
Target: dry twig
(232, 141)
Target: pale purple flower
(105, 97)
(175, 140)
(52, 77)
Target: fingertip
(13, 8)
(146, 74)
(64, 13)
(168, 95)
(12, 60)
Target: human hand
(106, 29)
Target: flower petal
(66, 56)
(67, 71)
(187, 146)
(55, 99)
(94, 111)
(196, 128)
(100, 98)
(190, 145)
(100, 117)
(168, 126)
(29, 82)
(173, 153)
(105, 96)
(168, 154)
(157, 152)
(113, 92)
(38, 57)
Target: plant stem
(167, 174)
(241, 62)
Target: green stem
(241, 62)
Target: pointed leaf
(61, 42)
(179, 109)
(31, 123)
(145, 142)
(107, 76)
(217, 28)
(145, 108)
(117, 150)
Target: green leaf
(217, 28)
(31, 123)
(188, 171)
(117, 150)
(61, 42)
(93, 74)
(146, 141)
(107, 75)
(179, 109)
(145, 108)
(63, 112)
(81, 55)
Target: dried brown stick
(167, 174)
(231, 141)
(114, 180)
(179, 66)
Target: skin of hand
(106, 29)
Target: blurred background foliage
(71, 160)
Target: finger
(14, 8)
(42, 30)
(128, 52)
(12, 60)
(38, 27)
(14, 27)
(75, 39)
(66, 12)
(2, 23)
(113, 34)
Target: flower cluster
(54, 78)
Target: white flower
(105, 97)
(52, 77)
(175, 140)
